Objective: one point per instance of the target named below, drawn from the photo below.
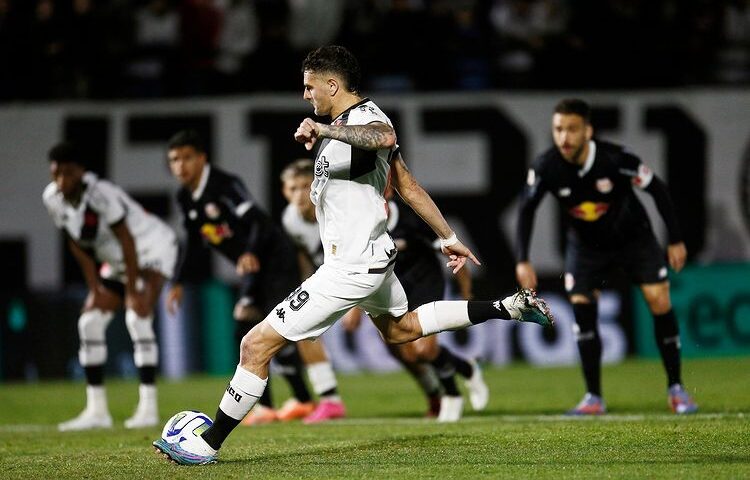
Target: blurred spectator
(240, 35)
(734, 54)
(45, 54)
(314, 23)
(400, 39)
(53, 49)
(523, 28)
(156, 36)
(200, 27)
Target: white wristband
(449, 242)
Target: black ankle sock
(94, 375)
(481, 311)
(667, 334)
(147, 375)
(220, 430)
(291, 366)
(446, 372)
(589, 345)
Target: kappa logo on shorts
(280, 313)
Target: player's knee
(141, 330)
(659, 305)
(92, 327)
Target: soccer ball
(185, 424)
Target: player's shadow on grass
(331, 453)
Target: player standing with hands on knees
(607, 227)
(103, 225)
(352, 167)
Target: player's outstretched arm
(373, 136)
(421, 202)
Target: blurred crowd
(73, 49)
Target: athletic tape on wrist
(449, 242)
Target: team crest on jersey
(212, 211)
(589, 211)
(531, 177)
(564, 192)
(570, 282)
(192, 214)
(643, 177)
(604, 185)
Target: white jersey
(306, 235)
(348, 195)
(104, 204)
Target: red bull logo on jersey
(589, 211)
(216, 233)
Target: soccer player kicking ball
(352, 167)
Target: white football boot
(479, 393)
(147, 412)
(95, 415)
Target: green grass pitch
(520, 435)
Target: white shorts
(328, 294)
(159, 256)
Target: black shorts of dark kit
(429, 288)
(642, 259)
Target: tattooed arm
(372, 136)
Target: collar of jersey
(589, 160)
(202, 184)
(361, 102)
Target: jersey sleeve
(237, 198)
(367, 113)
(632, 167)
(533, 192)
(105, 200)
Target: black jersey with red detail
(600, 205)
(225, 218)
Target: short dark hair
(576, 106)
(66, 152)
(187, 138)
(335, 59)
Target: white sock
(243, 391)
(147, 397)
(321, 377)
(96, 399)
(437, 317)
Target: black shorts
(270, 289)
(586, 268)
(426, 290)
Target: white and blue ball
(184, 425)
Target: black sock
(220, 430)
(667, 334)
(94, 375)
(481, 311)
(463, 367)
(291, 367)
(330, 392)
(589, 345)
(147, 375)
(446, 372)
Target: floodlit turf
(519, 436)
